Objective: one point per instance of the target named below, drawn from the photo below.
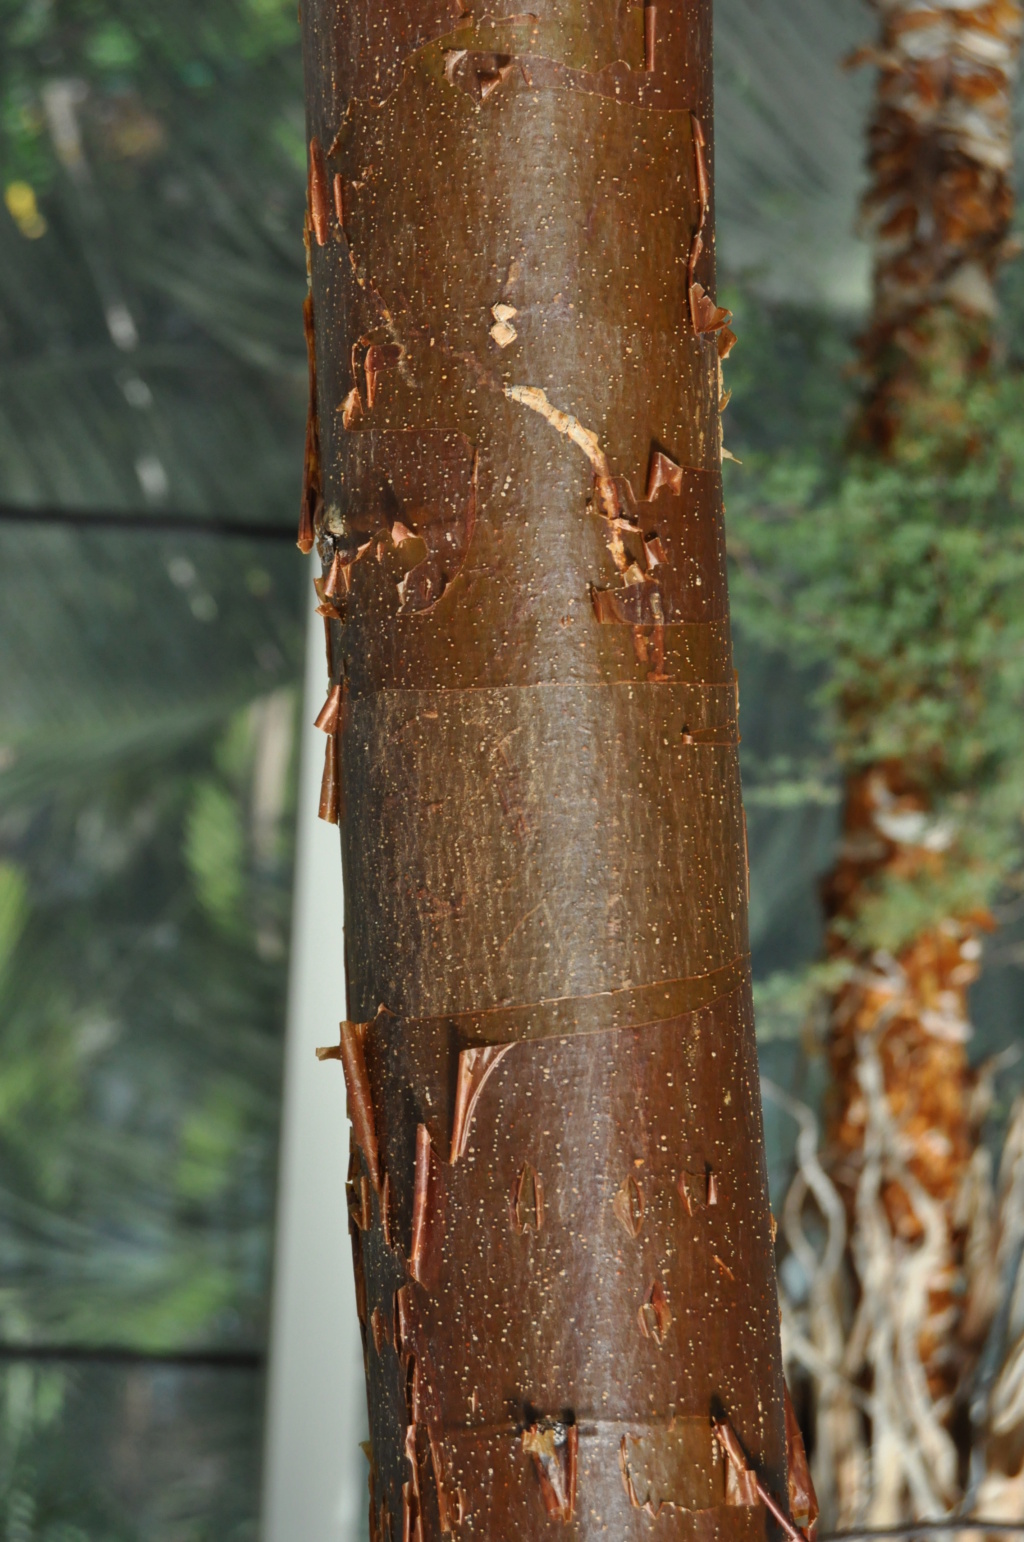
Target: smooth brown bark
(558, 1200)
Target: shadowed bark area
(557, 1195)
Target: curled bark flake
(403, 1321)
(351, 1051)
(803, 1501)
(628, 1206)
(637, 599)
(327, 717)
(377, 1328)
(711, 1191)
(653, 550)
(306, 537)
(723, 1268)
(385, 1209)
(725, 343)
(527, 1200)
(400, 533)
(412, 1520)
(334, 583)
(703, 197)
(360, 1206)
(663, 472)
(349, 561)
(329, 809)
(449, 1505)
(476, 73)
(703, 179)
(426, 1202)
(475, 1066)
(706, 316)
(318, 192)
(696, 247)
(563, 423)
(650, 37)
(490, 80)
(452, 59)
(379, 356)
(554, 1445)
(339, 199)
(352, 409)
(627, 1476)
(359, 1275)
(413, 1390)
(638, 603)
(432, 540)
(312, 481)
(742, 1485)
(655, 1314)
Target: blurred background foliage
(151, 360)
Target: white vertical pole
(314, 1483)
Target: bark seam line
(566, 1031)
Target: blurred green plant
(150, 255)
(142, 1016)
(904, 583)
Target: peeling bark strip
(351, 1052)
(554, 1447)
(748, 1484)
(519, 517)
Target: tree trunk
(904, 1119)
(557, 1194)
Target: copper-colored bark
(559, 1215)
